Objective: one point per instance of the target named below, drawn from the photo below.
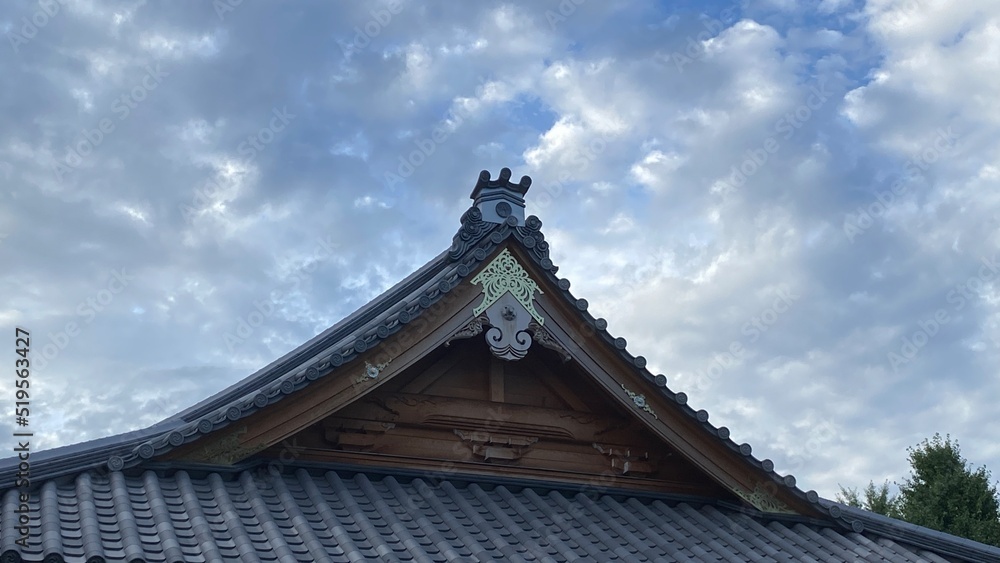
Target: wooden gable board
(617, 382)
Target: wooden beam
(563, 391)
(496, 379)
(421, 382)
(459, 413)
(595, 482)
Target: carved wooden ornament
(640, 401)
(762, 499)
(504, 275)
(508, 305)
(371, 371)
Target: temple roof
(181, 511)
(320, 514)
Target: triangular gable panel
(462, 410)
(449, 403)
(331, 386)
(497, 283)
(500, 380)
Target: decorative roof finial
(499, 199)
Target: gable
(572, 404)
(496, 284)
(463, 410)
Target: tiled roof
(361, 331)
(315, 515)
(85, 512)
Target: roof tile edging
(473, 225)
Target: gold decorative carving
(763, 500)
(640, 401)
(505, 275)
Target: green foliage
(945, 494)
(942, 493)
(849, 496)
(876, 499)
(879, 500)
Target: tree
(876, 499)
(849, 497)
(944, 493)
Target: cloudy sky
(789, 208)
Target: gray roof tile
(333, 517)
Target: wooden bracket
(355, 435)
(545, 339)
(230, 449)
(472, 328)
(496, 447)
(626, 461)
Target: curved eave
(319, 357)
